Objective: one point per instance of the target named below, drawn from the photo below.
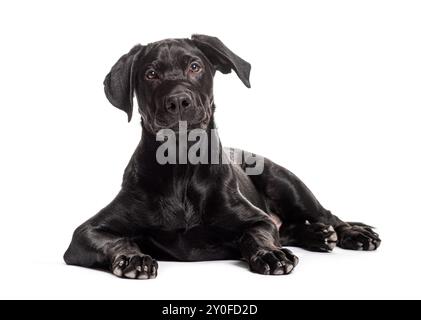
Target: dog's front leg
(104, 242)
(259, 242)
(260, 247)
(93, 247)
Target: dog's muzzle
(181, 104)
(178, 103)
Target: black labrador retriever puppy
(199, 210)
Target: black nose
(178, 102)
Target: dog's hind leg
(314, 237)
(303, 217)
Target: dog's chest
(179, 213)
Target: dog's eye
(151, 75)
(195, 67)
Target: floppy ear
(223, 58)
(119, 82)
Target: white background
(335, 98)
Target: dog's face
(174, 83)
(172, 80)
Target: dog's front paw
(319, 237)
(358, 236)
(135, 267)
(281, 261)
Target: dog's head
(172, 80)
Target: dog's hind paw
(357, 236)
(135, 267)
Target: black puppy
(199, 211)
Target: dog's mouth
(177, 125)
(180, 126)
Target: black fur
(191, 212)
